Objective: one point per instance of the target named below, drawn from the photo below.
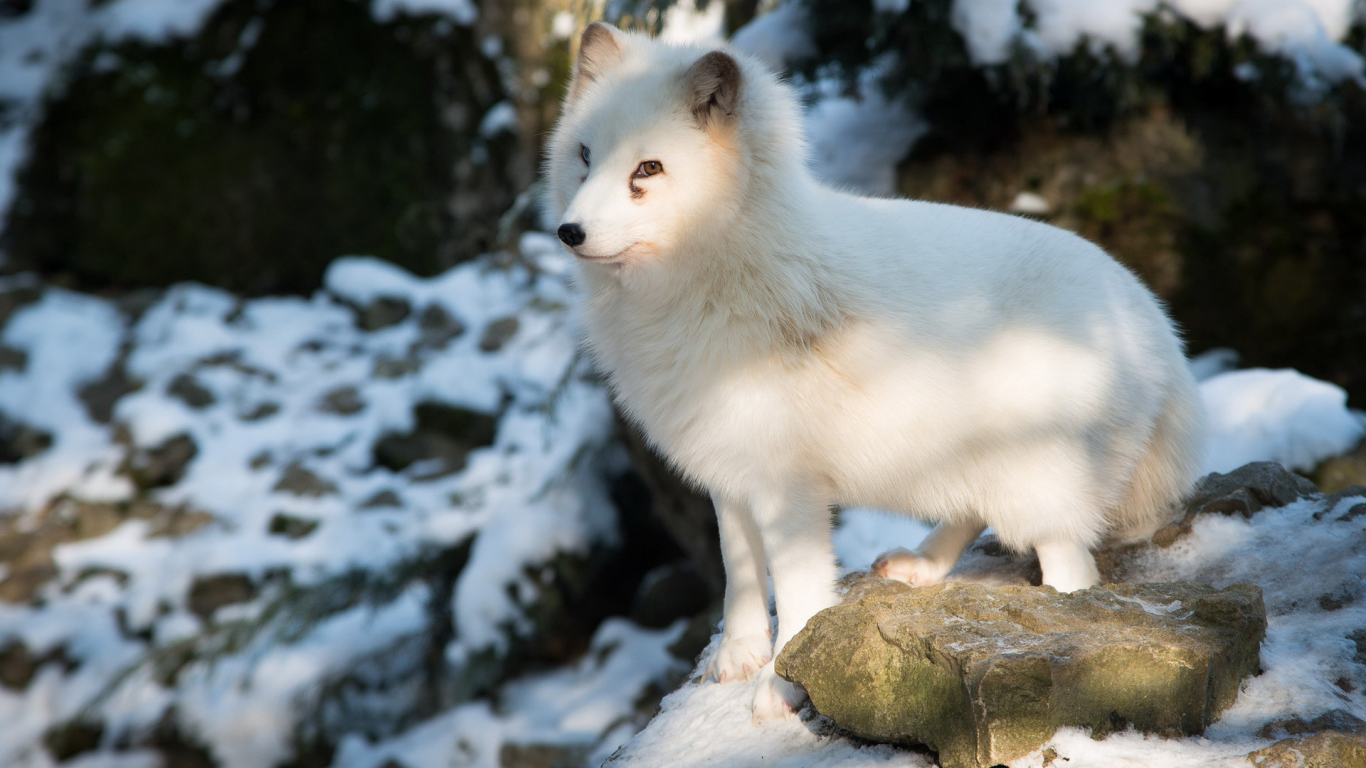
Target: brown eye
(583, 153)
(648, 168)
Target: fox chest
(720, 422)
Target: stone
(498, 333)
(209, 593)
(189, 391)
(19, 441)
(171, 521)
(438, 328)
(343, 401)
(667, 593)
(1334, 507)
(383, 312)
(1332, 720)
(99, 396)
(291, 526)
(17, 666)
(73, 738)
(1342, 472)
(384, 499)
(164, 464)
(985, 675)
(1330, 749)
(1267, 483)
(543, 755)
(260, 412)
(301, 482)
(438, 446)
(1245, 491)
(12, 359)
(387, 367)
(1358, 638)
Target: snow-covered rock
(314, 556)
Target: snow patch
(1282, 415)
(462, 12)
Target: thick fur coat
(790, 347)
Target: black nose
(571, 234)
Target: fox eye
(648, 168)
(584, 153)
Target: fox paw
(739, 658)
(904, 565)
(776, 699)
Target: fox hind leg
(1067, 565)
(933, 559)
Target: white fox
(791, 347)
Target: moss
(334, 135)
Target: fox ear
(599, 51)
(713, 87)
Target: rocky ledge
(985, 675)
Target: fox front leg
(746, 636)
(795, 529)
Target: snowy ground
(284, 401)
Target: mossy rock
(252, 154)
(986, 675)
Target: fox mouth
(604, 259)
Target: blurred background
(298, 463)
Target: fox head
(652, 146)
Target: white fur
(791, 347)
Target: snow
(712, 724)
(1284, 416)
(154, 20)
(462, 12)
(584, 706)
(1307, 32)
(1212, 362)
(1029, 203)
(1297, 31)
(856, 142)
(988, 27)
(684, 23)
(501, 118)
(1063, 24)
(69, 339)
(777, 38)
(863, 534)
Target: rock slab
(985, 675)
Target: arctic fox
(791, 347)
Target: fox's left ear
(599, 50)
(712, 86)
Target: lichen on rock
(985, 675)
